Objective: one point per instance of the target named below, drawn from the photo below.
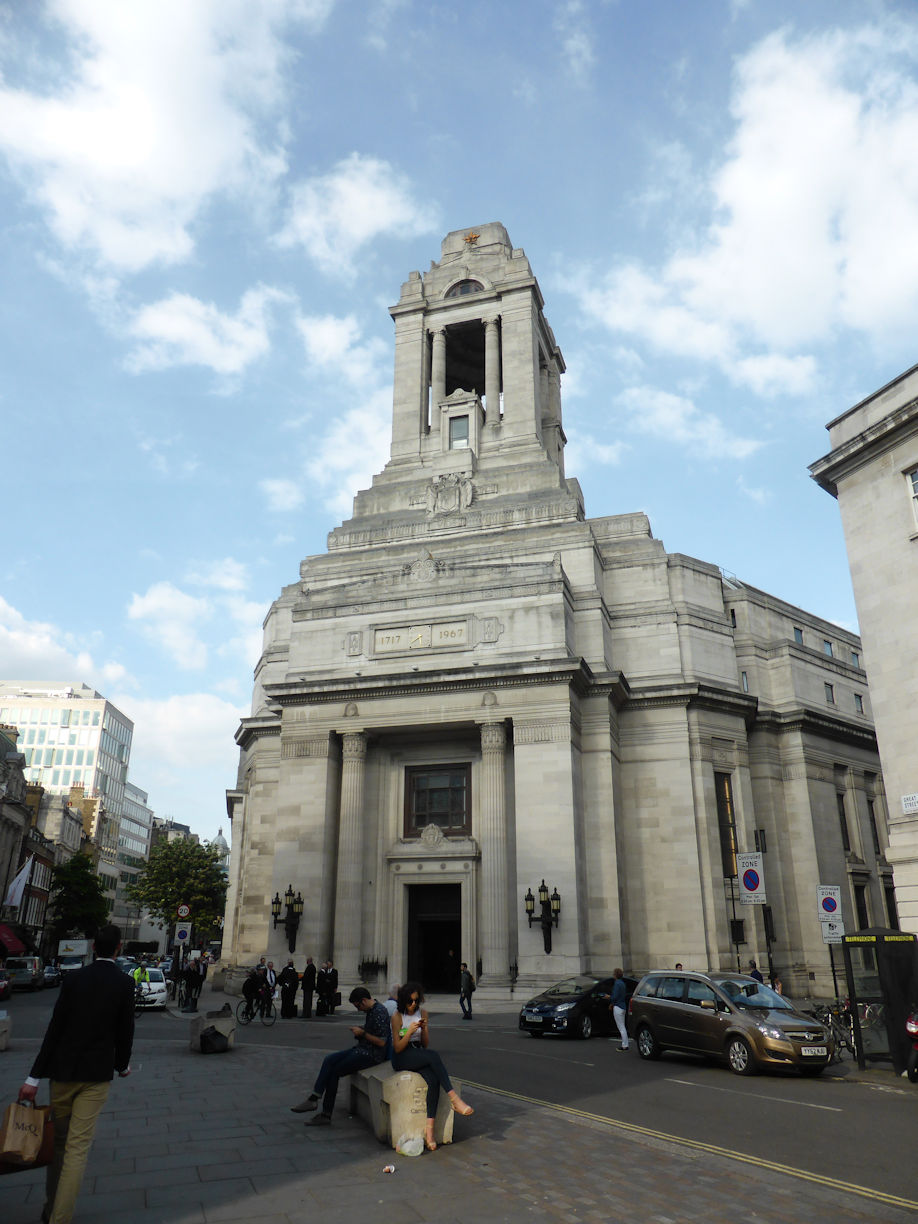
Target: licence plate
(532, 1017)
(814, 1051)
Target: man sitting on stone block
(372, 1043)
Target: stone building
(872, 469)
(476, 688)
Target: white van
(26, 972)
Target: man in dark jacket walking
(89, 1038)
(309, 987)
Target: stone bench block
(224, 1023)
(394, 1104)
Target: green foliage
(78, 902)
(182, 872)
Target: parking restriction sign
(828, 902)
(751, 878)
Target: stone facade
(477, 688)
(873, 471)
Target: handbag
(26, 1137)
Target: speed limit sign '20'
(184, 911)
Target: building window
(726, 823)
(827, 648)
(860, 906)
(892, 914)
(912, 478)
(798, 636)
(464, 287)
(858, 704)
(439, 795)
(855, 659)
(458, 432)
(872, 818)
(745, 680)
(843, 821)
(830, 694)
(733, 617)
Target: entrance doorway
(434, 936)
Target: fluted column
(437, 377)
(349, 893)
(492, 372)
(495, 939)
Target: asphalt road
(859, 1131)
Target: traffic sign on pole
(182, 933)
(184, 911)
(828, 902)
(751, 878)
(832, 932)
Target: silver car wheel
(740, 1057)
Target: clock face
(419, 637)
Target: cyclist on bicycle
(252, 989)
(140, 975)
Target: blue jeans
(343, 1062)
(465, 1002)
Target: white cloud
(225, 575)
(283, 495)
(41, 650)
(585, 451)
(168, 457)
(678, 421)
(338, 468)
(181, 743)
(575, 39)
(171, 619)
(157, 108)
(333, 216)
(182, 330)
(760, 496)
(332, 344)
(809, 215)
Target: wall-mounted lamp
(549, 910)
(291, 919)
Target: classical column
(495, 939)
(492, 372)
(437, 377)
(349, 892)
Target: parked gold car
(727, 1016)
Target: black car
(52, 975)
(578, 1006)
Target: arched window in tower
(461, 288)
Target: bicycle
(246, 1011)
(141, 989)
(837, 1020)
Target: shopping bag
(26, 1138)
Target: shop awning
(14, 946)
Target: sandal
(460, 1107)
(429, 1141)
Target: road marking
(819, 1179)
(553, 1057)
(758, 1096)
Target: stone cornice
(575, 673)
(860, 450)
(260, 726)
(817, 723)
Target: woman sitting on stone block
(411, 1052)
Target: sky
(207, 209)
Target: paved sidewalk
(190, 1139)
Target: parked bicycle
(263, 1007)
(837, 1019)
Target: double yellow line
(819, 1179)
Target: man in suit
(89, 1038)
(309, 987)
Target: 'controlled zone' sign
(828, 902)
(751, 878)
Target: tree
(182, 873)
(78, 902)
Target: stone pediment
(433, 844)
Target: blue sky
(209, 206)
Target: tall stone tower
(476, 689)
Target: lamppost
(549, 910)
(291, 919)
